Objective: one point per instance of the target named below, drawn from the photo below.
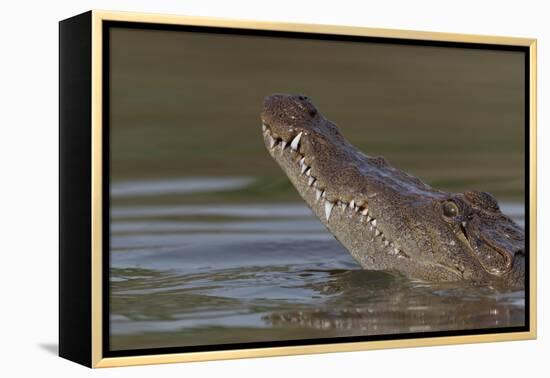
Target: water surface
(228, 273)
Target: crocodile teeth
(302, 161)
(264, 128)
(324, 195)
(386, 243)
(308, 172)
(304, 168)
(283, 145)
(374, 222)
(311, 181)
(352, 204)
(272, 141)
(365, 211)
(344, 205)
(396, 251)
(369, 218)
(295, 142)
(376, 233)
(328, 208)
(317, 194)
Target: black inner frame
(108, 25)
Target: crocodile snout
(285, 113)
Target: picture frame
(85, 103)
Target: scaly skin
(386, 218)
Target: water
(198, 274)
(145, 188)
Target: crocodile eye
(450, 209)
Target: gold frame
(97, 19)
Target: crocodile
(386, 218)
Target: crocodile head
(387, 218)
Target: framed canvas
(235, 189)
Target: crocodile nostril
(302, 98)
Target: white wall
(28, 158)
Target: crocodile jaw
(350, 221)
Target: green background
(187, 105)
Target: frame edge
(533, 186)
(312, 28)
(75, 283)
(96, 187)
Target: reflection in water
(368, 305)
(196, 274)
(180, 186)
